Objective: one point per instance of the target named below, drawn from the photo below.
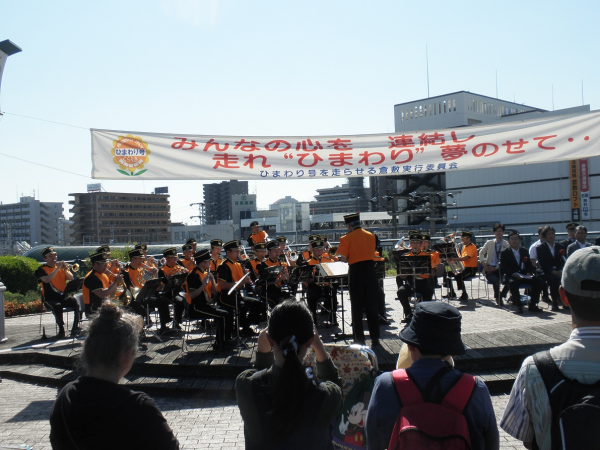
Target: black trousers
(460, 284)
(362, 281)
(554, 284)
(223, 319)
(422, 286)
(513, 284)
(274, 294)
(249, 309)
(58, 303)
(315, 292)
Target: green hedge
(18, 273)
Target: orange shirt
(59, 281)
(188, 264)
(267, 262)
(469, 250)
(104, 284)
(358, 245)
(133, 276)
(259, 237)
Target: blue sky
(264, 68)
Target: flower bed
(19, 304)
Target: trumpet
(72, 267)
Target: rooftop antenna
(496, 83)
(427, 59)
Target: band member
(357, 248)
(216, 246)
(257, 235)
(188, 257)
(134, 280)
(314, 291)
(192, 243)
(260, 254)
(170, 269)
(468, 256)
(53, 277)
(307, 254)
(435, 258)
(96, 285)
(229, 273)
(515, 263)
(113, 266)
(148, 262)
(200, 287)
(419, 284)
(273, 292)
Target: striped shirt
(528, 410)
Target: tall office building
(217, 199)
(31, 221)
(347, 198)
(117, 217)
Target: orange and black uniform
(315, 291)
(273, 293)
(189, 264)
(200, 307)
(57, 300)
(249, 309)
(93, 281)
(358, 246)
(131, 280)
(170, 294)
(258, 237)
(470, 264)
(420, 285)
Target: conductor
(357, 248)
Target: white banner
(158, 156)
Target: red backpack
(431, 426)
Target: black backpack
(575, 407)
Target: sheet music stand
(413, 266)
(337, 271)
(146, 292)
(236, 292)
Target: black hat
(186, 248)
(190, 241)
(272, 244)
(103, 248)
(172, 251)
(466, 234)
(572, 225)
(352, 217)
(435, 327)
(47, 251)
(260, 246)
(216, 243)
(312, 237)
(281, 239)
(415, 237)
(135, 252)
(142, 247)
(202, 255)
(254, 224)
(318, 243)
(232, 245)
(425, 237)
(98, 257)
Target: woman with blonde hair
(95, 411)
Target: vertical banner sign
(574, 165)
(287, 217)
(585, 189)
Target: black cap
(572, 226)
(187, 248)
(260, 246)
(103, 248)
(272, 244)
(216, 243)
(135, 252)
(281, 239)
(415, 237)
(349, 218)
(172, 251)
(232, 245)
(318, 243)
(202, 255)
(190, 241)
(312, 237)
(98, 257)
(254, 224)
(425, 237)
(466, 234)
(435, 327)
(142, 247)
(47, 251)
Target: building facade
(521, 197)
(217, 199)
(32, 222)
(117, 217)
(347, 198)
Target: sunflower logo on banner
(130, 154)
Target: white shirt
(533, 249)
